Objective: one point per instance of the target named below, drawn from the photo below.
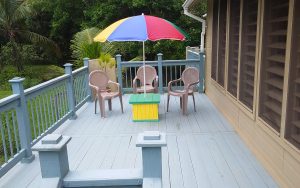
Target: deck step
(97, 178)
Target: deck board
(203, 149)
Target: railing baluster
(88, 89)
(82, 90)
(119, 71)
(52, 107)
(65, 98)
(131, 86)
(48, 107)
(41, 114)
(37, 114)
(126, 79)
(62, 100)
(3, 141)
(30, 102)
(160, 73)
(9, 135)
(15, 131)
(76, 90)
(45, 111)
(56, 104)
(59, 102)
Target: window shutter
(248, 52)
(273, 61)
(233, 46)
(222, 42)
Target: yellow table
(145, 107)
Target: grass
(4, 94)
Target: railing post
(89, 91)
(54, 162)
(201, 72)
(119, 71)
(151, 143)
(70, 90)
(23, 119)
(160, 73)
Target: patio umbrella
(141, 28)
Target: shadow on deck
(202, 149)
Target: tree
(13, 28)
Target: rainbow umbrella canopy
(141, 28)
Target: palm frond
(22, 10)
(83, 45)
(39, 39)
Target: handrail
(44, 85)
(7, 100)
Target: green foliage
(33, 75)
(13, 28)
(83, 46)
(27, 54)
(106, 61)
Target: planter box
(145, 107)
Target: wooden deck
(203, 149)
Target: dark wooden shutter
(248, 52)
(222, 41)
(273, 61)
(293, 108)
(233, 46)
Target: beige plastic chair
(190, 77)
(99, 82)
(151, 83)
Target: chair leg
(194, 102)
(180, 102)
(184, 104)
(95, 105)
(121, 103)
(109, 105)
(102, 107)
(168, 103)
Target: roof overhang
(187, 8)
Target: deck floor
(202, 149)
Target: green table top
(149, 98)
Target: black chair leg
(194, 102)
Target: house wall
(277, 155)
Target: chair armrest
(115, 83)
(171, 82)
(190, 85)
(94, 87)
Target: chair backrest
(99, 78)
(190, 75)
(150, 74)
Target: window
(248, 52)
(233, 46)
(219, 42)
(273, 61)
(292, 132)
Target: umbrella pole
(144, 68)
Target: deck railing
(28, 115)
(167, 70)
